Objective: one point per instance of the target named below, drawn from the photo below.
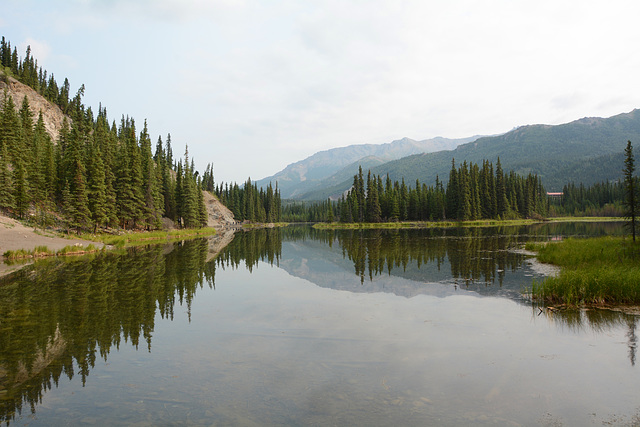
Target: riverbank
(596, 272)
(448, 224)
(14, 236)
(422, 224)
(21, 244)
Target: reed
(598, 271)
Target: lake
(298, 326)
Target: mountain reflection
(58, 316)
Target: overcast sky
(254, 85)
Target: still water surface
(306, 327)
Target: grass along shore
(422, 224)
(117, 241)
(146, 237)
(44, 251)
(599, 271)
(474, 223)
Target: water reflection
(595, 320)
(482, 260)
(60, 316)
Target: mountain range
(587, 150)
(333, 166)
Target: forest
(96, 174)
(99, 174)
(248, 203)
(471, 193)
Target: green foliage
(471, 194)
(586, 150)
(631, 198)
(594, 271)
(248, 203)
(7, 201)
(96, 175)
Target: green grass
(586, 219)
(598, 271)
(43, 251)
(147, 237)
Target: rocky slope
(51, 113)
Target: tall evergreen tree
(631, 204)
(7, 201)
(21, 188)
(97, 189)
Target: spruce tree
(21, 188)
(10, 129)
(79, 198)
(631, 202)
(7, 201)
(502, 204)
(203, 214)
(97, 189)
(372, 202)
(178, 195)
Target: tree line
(600, 199)
(95, 174)
(472, 193)
(248, 203)
(29, 73)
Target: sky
(254, 85)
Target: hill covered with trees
(92, 173)
(471, 193)
(324, 168)
(588, 151)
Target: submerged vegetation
(596, 271)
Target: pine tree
(373, 204)
(189, 195)
(502, 204)
(452, 195)
(39, 162)
(97, 189)
(178, 197)
(21, 188)
(203, 214)
(151, 211)
(631, 202)
(10, 129)
(79, 198)
(7, 201)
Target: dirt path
(14, 236)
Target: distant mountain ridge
(587, 150)
(309, 174)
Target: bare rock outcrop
(219, 215)
(51, 113)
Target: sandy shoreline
(15, 236)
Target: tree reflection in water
(58, 316)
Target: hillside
(41, 169)
(587, 150)
(309, 174)
(51, 113)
